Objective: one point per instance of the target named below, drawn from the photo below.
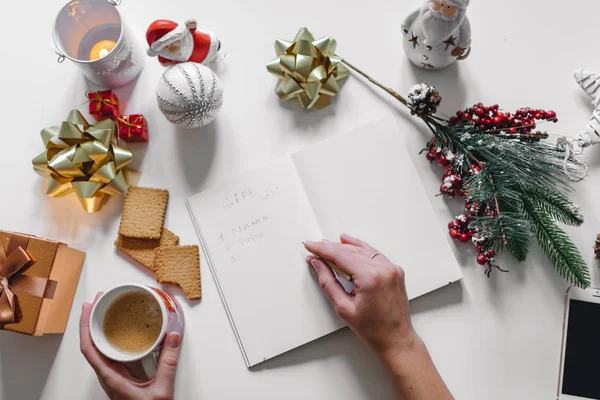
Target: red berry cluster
(451, 184)
(521, 124)
(437, 151)
(452, 180)
(459, 229)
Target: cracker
(142, 250)
(144, 213)
(179, 265)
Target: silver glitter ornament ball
(189, 95)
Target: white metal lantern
(92, 34)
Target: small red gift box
(133, 128)
(104, 104)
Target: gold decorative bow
(13, 260)
(84, 159)
(308, 70)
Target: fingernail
(325, 241)
(314, 263)
(174, 340)
(308, 242)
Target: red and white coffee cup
(173, 320)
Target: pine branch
(554, 204)
(515, 172)
(496, 203)
(518, 233)
(524, 181)
(508, 230)
(482, 189)
(557, 246)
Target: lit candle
(101, 49)
(92, 34)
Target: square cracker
(142, 250)
(179, 265)
(144, 213)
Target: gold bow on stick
(308, 70)
(13, 260)
(84, 159)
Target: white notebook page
(364, 183)
(253, 228)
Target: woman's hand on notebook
(378, 312)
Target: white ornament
(590, 135)
(189, 95)
(437, 34)
(590, 83)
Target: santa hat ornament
(175, 43)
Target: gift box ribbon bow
(84, 159)
(13, 261)
(308, 70)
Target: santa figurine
(438, 34)
(175, 43)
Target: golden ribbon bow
(84, 159)
(13, 260)
(308, 70)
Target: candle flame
(101, 49)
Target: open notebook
(252, 228)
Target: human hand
(115, 378)
(377, 310)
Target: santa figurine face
(174, 48)
(444, 8)
(438, 33)
(175, 43)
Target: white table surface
(495, 338)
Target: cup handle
(150, 364)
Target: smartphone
(579, 376)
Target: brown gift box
(54, 261)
